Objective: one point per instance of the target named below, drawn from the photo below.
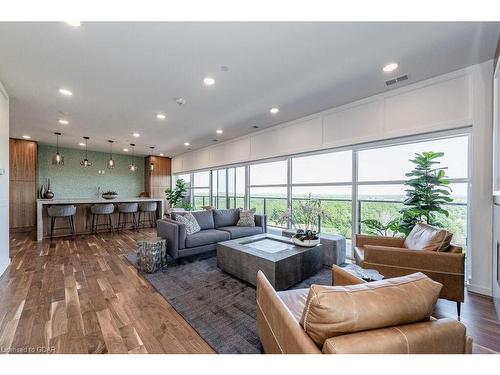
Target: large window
(268, 190)
(201, 189)
(356, 187)
(328, 178)
(381, 190)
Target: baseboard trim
(480, 290)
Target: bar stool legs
(71, 226)
(149, 219)
(95, 223)
(122, 224)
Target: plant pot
(110, 196)
(305, 243)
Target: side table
(334, 247)
(151, 254)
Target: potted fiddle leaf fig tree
(177, 196)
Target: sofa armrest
(279, 331)
(261, 221)
(419, 260)
(174, 233)
(363, 240)
(341, 277)
(442, 336)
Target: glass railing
(339, 211)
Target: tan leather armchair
(279, 313)
(391, 258)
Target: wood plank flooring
(82, 296)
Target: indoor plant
(427, 191)
(176, 197)
(305, 219)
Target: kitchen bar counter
(83, 217)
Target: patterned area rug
(218, 306)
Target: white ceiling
(122, 74)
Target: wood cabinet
(23, 156)
(158, 179)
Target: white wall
(4, 179)
(457, 99)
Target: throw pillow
(426, 237)
(337, 310)
(247, 218)
(189, 220)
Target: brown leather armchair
(391, 258)
(279, 314)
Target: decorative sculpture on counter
(45, 192)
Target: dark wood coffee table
(284, 263)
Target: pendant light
(85, 162)
(57, 159)
(151, 164)
(132, 166)
(111, 162)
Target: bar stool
(148, 209)
(126, 209)
(100, 210)
(67, 211)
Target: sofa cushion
(238, 232)
(337, 310)
(206, 237)
(226, 218)
(295, 301)
(426, 237)
(205, 219)
(190, 222)
(247, 218)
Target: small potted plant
(110, 194)
(306, 216)
(306, 238)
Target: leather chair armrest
(261, 221)
(363, 240)
(442, 336)
(279, 331)
(341, 277)
(419, 260)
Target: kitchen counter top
(96, 200)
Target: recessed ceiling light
(63, 122)
(219, 131)
(208, 81)
(26, 137)
(390, 67)
(186, 143)
(74, 23)
(161, 116)
(125, 150)
(274, 110)
(137, 135)
(65, 92)
(81, 144)
(162, 155)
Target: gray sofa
(216, 226)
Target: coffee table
(284, 263)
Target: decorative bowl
(109, 196)
(305, 243)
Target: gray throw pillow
(189, 220)
(247, 218)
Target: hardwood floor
(82, 296)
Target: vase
(48, 194)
